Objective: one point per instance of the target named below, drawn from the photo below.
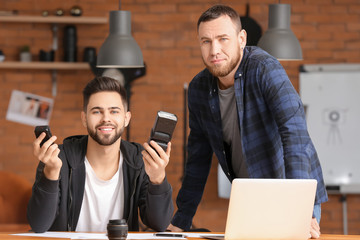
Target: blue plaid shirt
(274, 135)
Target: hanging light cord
(119, 4)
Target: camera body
(163, 128)
(39, 129)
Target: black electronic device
(163, 128)
(39, 130)
(170, 235)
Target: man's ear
(242, 38)
(127, 118)
(83, 119)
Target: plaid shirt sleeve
(199, 155)
(275, 137)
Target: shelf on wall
(45, 65)
(53, 66)
(54, 19)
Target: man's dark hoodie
(56, 205)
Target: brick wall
(328, 30)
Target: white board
(332, 105)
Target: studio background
(328, 31)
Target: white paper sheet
(70, 235)
(80, 235)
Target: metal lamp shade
(279, 41)
(120, 49)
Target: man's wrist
(52, 174)
(158, 180)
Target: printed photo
(29, 109)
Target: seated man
(86, 181)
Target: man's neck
(103, 159)
(228, 81)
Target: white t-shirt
(103, 200)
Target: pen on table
(172, 235)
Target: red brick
(146, 18)
(162, 8)
(333, 9)
(353, 26)
(135, 8)
(177, 18)
(333, 28)
(330, 45)
(191, 7)
(346, 36)
(319, 2)
(166, 43)
(318, 36)
(319, 54)
(347, 55)
(304, 8)
(346, 1)
(354, 9)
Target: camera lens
(117, 229)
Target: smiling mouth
(106, 129)
(217, 61)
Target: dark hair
(104, 84)
(217, 11)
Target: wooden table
(8, 236)
(18, 228)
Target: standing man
(243, 108)
(89, 179)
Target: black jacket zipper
(69, 225)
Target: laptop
(269, 209)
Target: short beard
(107, 140)
(223, 72)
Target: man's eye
(114, 112)
(205, 41)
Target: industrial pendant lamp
(279, 41)
(120, 49)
